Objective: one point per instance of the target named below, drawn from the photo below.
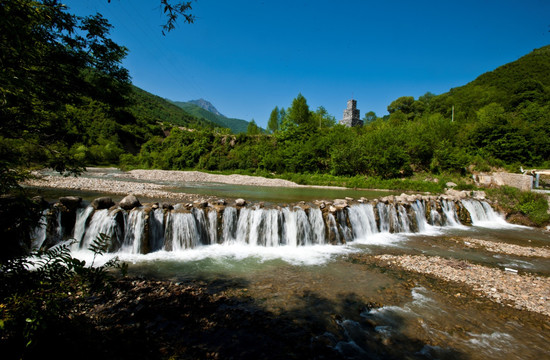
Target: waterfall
(156, 229)
(363, 220)
(229, 224)
(420, 215)
(243, 227)
(202, 226)
(317, 226)
(103, 222)
(384, 217)
(39, 234)
(290, 230)
(213, 226)
(133, 237)
(145, 229)
(184, 233)
(482, 213)
(449, 210)
(82, 216)
(334, 234)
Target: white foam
(299, 255)
(384, 238)
(496, 341)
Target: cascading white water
(333, 228)
(135, 226)
(82, 216)
(291, 232)
(147, 230)
(384, 217)
(38, 235)
(202, 226)
(317, 226)
(420, 215)
(103, 222)
(449, 210)
(213, 226)
(363, 220)
(229, 233)
(482, 214)
(243, 227)
(184, 231)
(156, 229)
(404, 224)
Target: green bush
(532, 205)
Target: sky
(246, 57)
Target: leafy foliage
(532, 205)
(39, 292)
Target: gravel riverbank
(152, 183)
(521, 291)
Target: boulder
(240, 202)
(102, 203)
(340, 203)
(70, 202)
(201, 203)
(129, 202)
(450, 184)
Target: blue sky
(246, 57)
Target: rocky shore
(503, 248)
(521, 291)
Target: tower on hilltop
(351, 115)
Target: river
(351, 301)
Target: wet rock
(240, 202)
(40, 201)
(340, 203)
(104, 202)
(129, 202)
(201, 203)
(70, 202)
(167, 206)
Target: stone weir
(143, 228)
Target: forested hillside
(153, 108)
(236, 125)
(501, 119)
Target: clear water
(321, 284)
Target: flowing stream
(295, 261)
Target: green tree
(252, 128)
(299, 113)
(369, 117)
(274, 121)
(52, 61)
(322, 119)
(403, 104)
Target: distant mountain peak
(206, 105)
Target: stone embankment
(521, 291)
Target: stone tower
(351, 115)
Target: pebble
(525, 291)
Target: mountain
(191, 107)
(206, 105)
(151, 107)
